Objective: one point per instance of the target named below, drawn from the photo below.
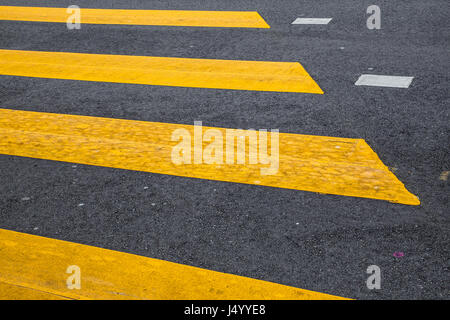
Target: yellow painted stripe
(186, 18)
(183, 72)
(330, 165)
(40, 264)
(17, 292)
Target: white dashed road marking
(312, 21)
(384, 81)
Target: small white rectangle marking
(312, 21)
(383, 81)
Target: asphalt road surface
(303, 239)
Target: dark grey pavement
(312, 241)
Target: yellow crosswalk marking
(17, 292)
(183, 72)
(36, 267)
(330, 165)
(187, 18)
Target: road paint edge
(40, 263)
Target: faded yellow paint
(330, 165)
(186, 18)
(17, 292)
(37, 266)
(181, 72)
